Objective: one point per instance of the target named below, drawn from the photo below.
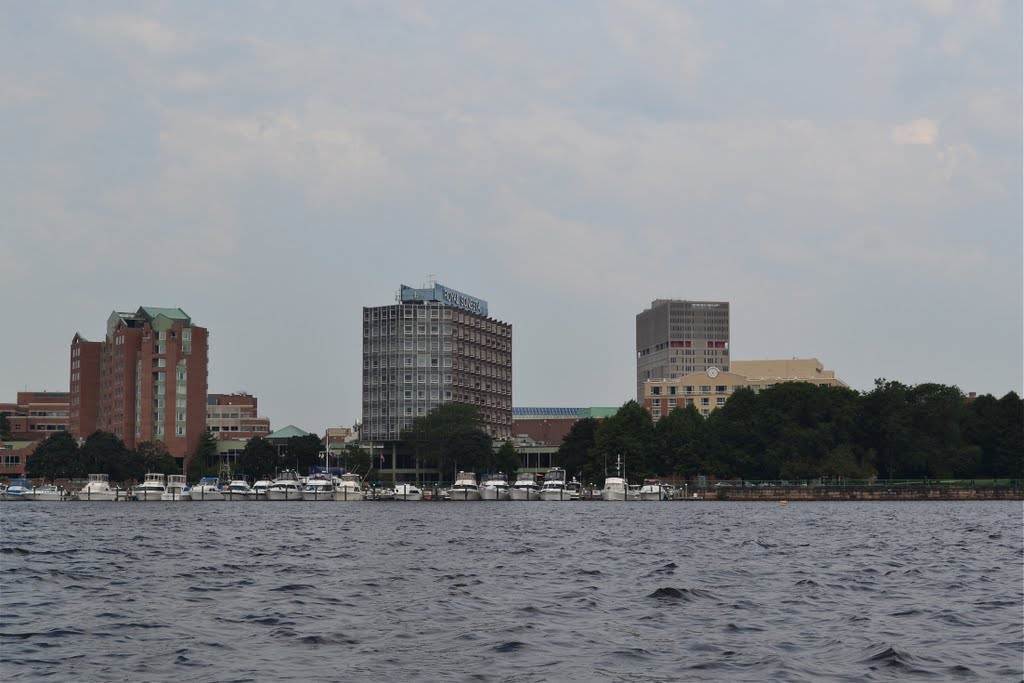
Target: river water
(678, 591)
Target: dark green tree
(842, 462)
(55, 457)
(205, 460)
(303, 452)
(156, 458)
(103, 452)
(629, 435)
(258, 459)
(680, 441)
(996, 427)
(886, 429)
(575, 452)
(5, 427)
(468, 450)
(937, 447)
(507, 460)
(430, 436)
(355, 458)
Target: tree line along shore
(792, 431)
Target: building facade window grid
(465, 358)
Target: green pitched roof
(287, 433)
(172, 313)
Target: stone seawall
(865, 493)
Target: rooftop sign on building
(445, 295)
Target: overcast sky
(846, 174)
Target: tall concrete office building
(146, 381)
(678, 337)
(434, 346)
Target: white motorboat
(17, 490)
(47, 492)
(408, 492)
(259, 488)
(177, 489)
(615, 488)
(318, 487)
(465, 487)
(97, 488)
(494, 487)
(238, 489)
(653, 490)
(208, 488)
(151, 489)
(525, 487)
(349, 487)
(286, 486)
(553, 487)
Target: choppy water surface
(511, 591)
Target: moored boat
(653, 490)
(46, 492)
(259, 488)
(151, 489)
(238, 489)
(97, 489)
(208, 488)
(525, 487)
(615, 488)
(465, 487)
(17, 489)
(408, 492)
(349, 487)
(286, 486)
(494, 487)
(318, 487)
(177, 489)
(553, 488)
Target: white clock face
(712, 372)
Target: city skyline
(848, 177)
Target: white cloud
(929, 257)
(657, 37)
(916, 132)
(309, 149)
(191, 79)
(139, 31)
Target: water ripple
(512, 593)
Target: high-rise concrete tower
(434, 346)
(677, 337)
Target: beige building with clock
(711, 388)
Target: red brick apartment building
(145, 381)
(37, 414)
(34, 416)
(235, 416)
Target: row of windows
(434, 313)
(392, 312)
(237, 428)
(671, 403)
(690, 389)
